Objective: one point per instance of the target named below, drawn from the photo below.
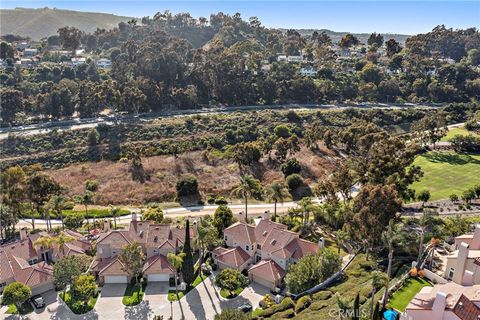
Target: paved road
(197, 211)
(77, 123)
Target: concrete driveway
(156, 294)
(204, 302)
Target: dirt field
(217, 176)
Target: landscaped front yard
(25, 308)
(78, 306)
(226, 294)
(134, 294)
(402, 297)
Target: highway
(78, 123)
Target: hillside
(44, 22)
(363, 37)
(215, 175)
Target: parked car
(38, 301)
(246, 307)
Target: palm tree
(176, 261)
(379, 279)
(426, 220)
(340, 236)
(391, 237)
(114, 212)
(56, 204)
(276, 192)
(246, 188)
(45, 243)
(61, 240)
(86, 199)
(306, 204)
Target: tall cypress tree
(187, 268)
(356, 307)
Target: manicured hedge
(303, 303)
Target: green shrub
(322, 295)
(287, 314)
(221, 200)
(74, 221)
(291, 166)
(286, 303)
(303, 303)
(187, 187)
(318, 305)
(294, 181)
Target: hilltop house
(445, 301)
(157, 240)
(24, 262)
(265, 250)
(466, 258)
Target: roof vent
(155, 239)
(141, 234)
(273, 242)
(264, 233)
(157, 228)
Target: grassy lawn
(77, 306)
(25, 308)
(133, 294)
(226, 294)
(172, 295)
(446, 173)
(402, 297)
(454, 131)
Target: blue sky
(408, 17)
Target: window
(225, 237)
(100, 250)
(3, 284)
(246, 248)
(259, 247)
(451, 273)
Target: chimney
(134, 216)
(475, 245)
(106, 225)
(461, 263)
(241, 216)
(23, 234)
(266, 215)
(438, 308)
(468, 278)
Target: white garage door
(157, 277)
(116, 279)
(263, 282)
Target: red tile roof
(234, 257)
(267, 269)
(264, 227)
(241, 232)
(157, 264)
(300, 248)
(466, 309)
(115, 267)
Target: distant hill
(363, 37)
(44, 22)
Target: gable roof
(300, 248)
(115, 237)
(6, 271)
(115, 267)
(267, 269)
(69, 249)
(235, 257)
(277, 240)
(241, 232)
(157, 264)
(30, 275)
(264, 227)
